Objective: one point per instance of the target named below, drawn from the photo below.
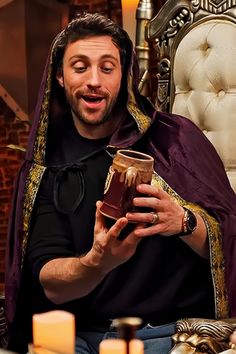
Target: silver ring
(155, 217)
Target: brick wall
(12, 131)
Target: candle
(112, 346)
(129, 8)
(136, 346)
(55, 331)
(119, 346)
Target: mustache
(95, 91)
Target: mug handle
(130, 176)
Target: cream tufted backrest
(195, 42)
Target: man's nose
(94, 79)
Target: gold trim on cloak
(215, 246)
(31, 188)
(41, 136)
(40, 140)
(143, 121)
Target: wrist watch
(189, 222)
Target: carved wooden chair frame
(177, 19)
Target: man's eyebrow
(85, 57)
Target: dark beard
(107, 117)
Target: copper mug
(129, 168)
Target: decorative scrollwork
(163, 78)
(212, 6)
(195, 5)
(178, 22)
(162, 47)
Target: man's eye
(79, 69)
(106, 69)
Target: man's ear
(60, 78)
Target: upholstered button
(205, 48)
(221, 93)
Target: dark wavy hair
(92, 24)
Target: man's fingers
(116, 229)
(99, 218)
(152, 191)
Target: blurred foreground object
(126, 342)
(54, 331)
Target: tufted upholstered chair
(195, 43)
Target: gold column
(144, 14)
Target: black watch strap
(189, 223)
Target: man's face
(91, 77)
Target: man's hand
(66, 279)
(168, 220)
(108, 251)
(169, 213)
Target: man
(62, 253)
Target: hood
(52, 107)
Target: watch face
(191, 221)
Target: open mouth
(92, 99)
